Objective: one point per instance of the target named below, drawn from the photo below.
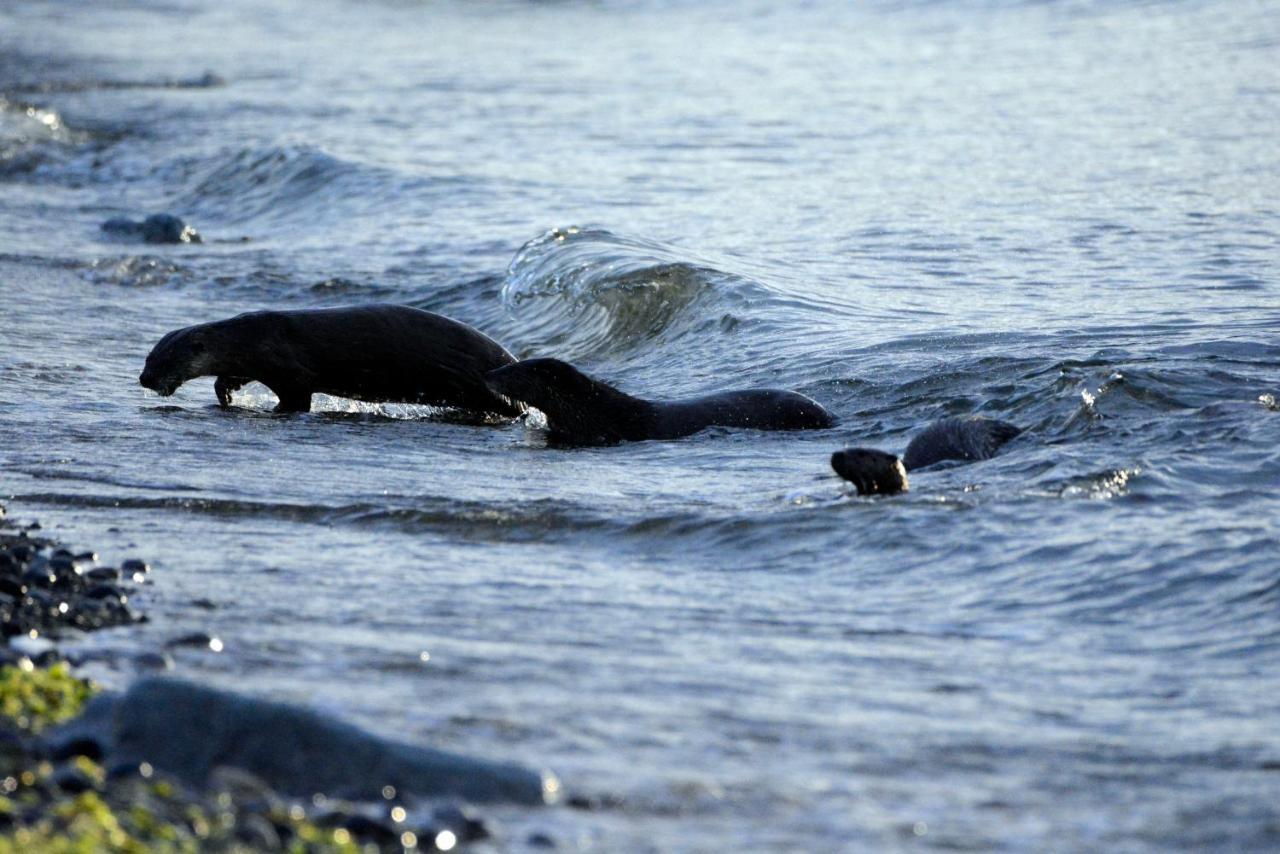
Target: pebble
(72, 780)
(368, 829)
(39, 577)
(192, 639)
(90, 748)
(106, 591)
(464, 824)
(592, 803)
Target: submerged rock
(157, 228)
(188, 731)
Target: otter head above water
(873, 472)
(182, 355)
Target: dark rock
(37, 601)
(72, 780)
(48, 658)
(188, 730)
(90, 748)
(39, 577)
(157, 228)
(464, 824)
(579, 801)
(134, 565)
(193, 639)
(106, 591)
(540, 840)
(366, 829)
(129, 769)
(46, 587)
(62, 565)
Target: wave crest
(29, 137)
(277, 180)
(587, 293)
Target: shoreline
(87, 766)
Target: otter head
(578, 408)
(182, 355)
(872, 472)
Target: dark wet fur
(873, 472)
(584, 411)
(373, 353)
(968, 438)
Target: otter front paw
(224, 386)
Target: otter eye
(197, 346)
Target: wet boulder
(157, 228)
(188, 731)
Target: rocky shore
(46, 588)
(168, 764)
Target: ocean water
(1065, 215)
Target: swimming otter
(584, 411)
(375, 353)
(873, 472)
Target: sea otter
(973, 437)
(375, 353)
(584, 411)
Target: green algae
(136, 816)
(33, 699)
